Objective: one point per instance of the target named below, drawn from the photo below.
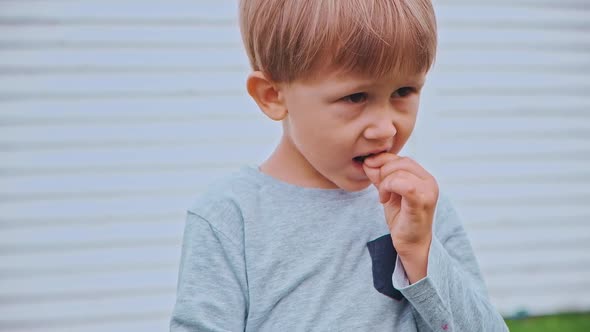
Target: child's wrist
(415, 262)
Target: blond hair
(293, 39)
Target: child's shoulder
(223, 203)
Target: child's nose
(381, 130)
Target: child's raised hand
(409, 195)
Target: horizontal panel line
(560, 5)
(507, 248)
(7, 299)
(70, 321)
(131, 44)
(40, 248)
(94, 220)
(126, 193)
(504, 24)
(575, 91)
(71, 196)
(493, 23)
(69, 271)
(525, 112)
(531, 267)
(526, 224)
(486, 91)
(550, 47)
(110, 70)
(577, 199)
(506, 158)
(565, 133)
(11, 97)
(565, 4)
(573, 177)
(124, 120)
(66, 145)
(516, 270)
(498, 251)
(548, 287)
(110, 169)
(111, 21)
(578, 68)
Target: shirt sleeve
(212, 290)
(453, 295)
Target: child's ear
(267, 95)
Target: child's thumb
(372, 174)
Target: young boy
(334, 231)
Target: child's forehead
(344, 78)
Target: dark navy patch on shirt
(383, 256)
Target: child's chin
(357, 185)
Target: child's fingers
(372, 174)
(389, 162)
(380, 159)
(404, 163)
(400, 176)
(385, 196)
(402, 183)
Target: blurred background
(115, 115)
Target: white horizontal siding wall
(114, 115)
(505, 130)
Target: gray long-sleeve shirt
(259, 254)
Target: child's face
(337, 118)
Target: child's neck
(288, 165)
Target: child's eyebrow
(362, 86)
(415, 80)
(359, 86)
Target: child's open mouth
(361, 159)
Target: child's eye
(403, 92)
(356, 98)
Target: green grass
(554, 323)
